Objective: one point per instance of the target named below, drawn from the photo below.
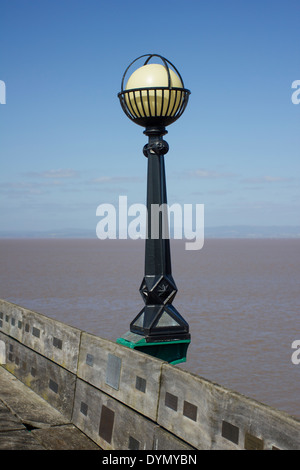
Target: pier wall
(125, 399)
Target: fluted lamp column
(154, 97)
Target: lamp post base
(158, 329)
(172, 351)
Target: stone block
(52, 382)
(29, 407)
(209, 416)
(66, 437)
(51, 338)
(127, 375)
(108, 422)
(19, 440)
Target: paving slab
(26, 404)
(19, 440)
(28, 422)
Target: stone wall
(124, 399)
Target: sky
(66, 146)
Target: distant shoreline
(224, 232)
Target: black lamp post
(154, 98)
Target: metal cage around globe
(154, 95)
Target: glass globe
(157, 99)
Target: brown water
(241, 299)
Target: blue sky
(66, 145)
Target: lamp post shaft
(159, 319)
(157, 249)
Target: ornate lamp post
(155, 97)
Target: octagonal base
(173, 352)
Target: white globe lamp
(154, 93)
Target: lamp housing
(154, 95)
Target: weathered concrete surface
(19, 440)
(27, 422)
(49, 380)
(26, 404)
(50, 338)
(66, 437)
(112, 425)
(130, 377)
(209, 416)
(108, 422)
(8, 421)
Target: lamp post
(154, 97)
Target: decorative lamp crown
(154, 94)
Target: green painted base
(173, 352)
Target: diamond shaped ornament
(159, 290)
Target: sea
(241, 298)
